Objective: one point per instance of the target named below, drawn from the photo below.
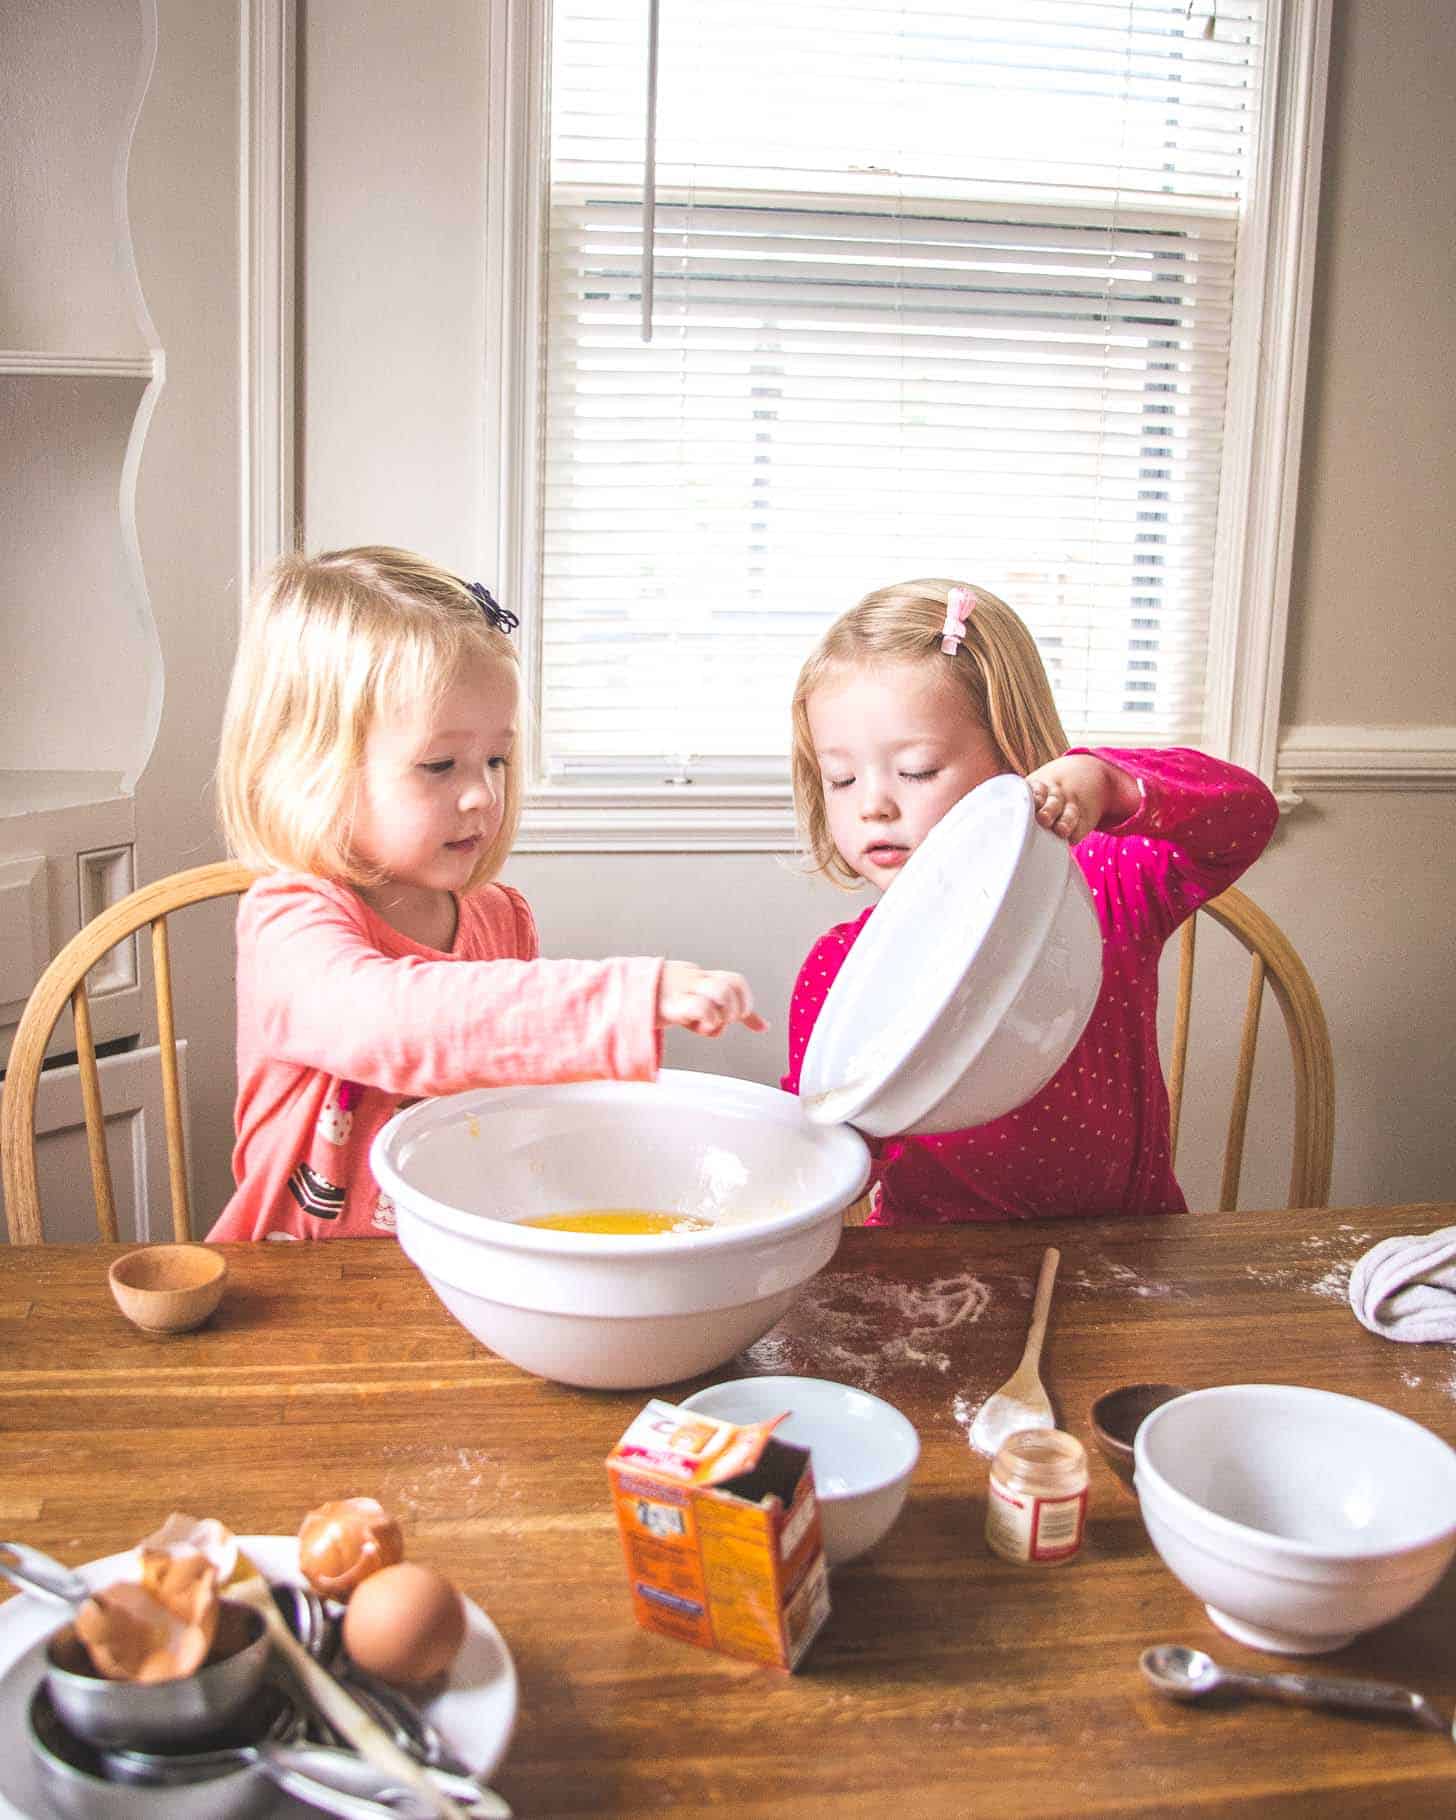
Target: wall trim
(266, 229)
(515, 239)
(1316, 757)
(760, 819)
(1269, 365)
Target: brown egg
(405, 1623)
(342, 1543)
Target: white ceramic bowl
(864, 1450)
(1299, 1517)
(610, 1311)
(971, 983)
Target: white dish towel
(1405, 1288)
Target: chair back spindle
(171, 1085)
(101, 1186)
(1182, 1022)
(1275, 963)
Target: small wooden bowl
(1118, 1414)
(168, 1288)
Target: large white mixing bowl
(618, 1312)
(971, 983)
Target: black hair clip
(500, 617)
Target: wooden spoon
(1022, 1401)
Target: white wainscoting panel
(131, 1093)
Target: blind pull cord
(649, 169)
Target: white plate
(475, 1711)
(971, 983)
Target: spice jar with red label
(1036, 1502)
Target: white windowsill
(690, 818)
(709, 818)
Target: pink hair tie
(959, 606)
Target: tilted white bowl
(1301, 1518)
(611, 1311)
(971, 983)
(864, 1451)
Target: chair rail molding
(1317, 757)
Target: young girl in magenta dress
(916, 696)
(368, 770)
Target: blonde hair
(332, 643)
(998, 669)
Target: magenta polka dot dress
(1095, 1139)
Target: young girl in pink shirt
(369, 771)
(909, 701)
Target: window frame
(1268, 362)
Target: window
(964, 289)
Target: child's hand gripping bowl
(1075, 794)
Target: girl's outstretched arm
(316, 991)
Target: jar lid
(1050, 1449)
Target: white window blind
(938, 290)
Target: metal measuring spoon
(1189, 1674)
(223, 1755)
(318, 1626)
(34, 1572)
(335, 1781)
(107, 1711)
(318, 1630)
(339, 1782)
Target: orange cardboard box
(720, 1528)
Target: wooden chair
(63, 982)
(1275, 963)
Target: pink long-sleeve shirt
(1096, 1138)
(341, 1020)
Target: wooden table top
(946, 1681)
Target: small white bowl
(971, 983)
(864, 1450)
(614, 1311)
(1300, 1518)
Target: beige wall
(390, 448)
(106, 675)
(1373, 634)
(392, 230)
(184, 206)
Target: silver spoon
(1188, 1674)
(344, 1784)
(34, 1572)
(337, 1781)
(318, 1626)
